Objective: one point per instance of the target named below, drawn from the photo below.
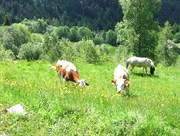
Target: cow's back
(66, 65)
(121, 71)
(140, 62)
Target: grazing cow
(67, 71)
(141, 62)
(121, 79)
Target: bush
(14, 36)
(122, 54)
(98, 39)
(111, 37)
(36, 26)
(102, 52)
(35, 37)
(85, 33)
(89, 52)
(5, 54)
(73, 34)
(30, 51)
(61, 32)
(177, 37)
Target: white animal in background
(141, 62)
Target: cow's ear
(126, 82)
(113, 81)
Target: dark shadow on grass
(144, 75)
(133, 96)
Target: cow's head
(152, 69)
(120, 84)
(82, 82)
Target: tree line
(137, 34)
(95, 14)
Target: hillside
(97, 15)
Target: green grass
(153, 107)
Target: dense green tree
(165, 53)
(111, 37)
(95, 14)
(138, 28)
(73, 34)
(5, 54)
(85, 33)
(30, 51)
(6, 21)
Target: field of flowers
(153, 107)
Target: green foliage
(30, 51)
(36, 26)
(122, 54)
(98, 39)
(5, 54)
(88, 51)
(68, 51)
(166, 55)
(177, 37)
(95, 14)
(14, 36)
(52, 47)
(6, 21)
(61, 32)
(85, 33)
(73, 34)
(111, 37)
(175, 28)
(140, 31)
(35, 37)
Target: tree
(166, 54)
(111, 37)
(6, 21)
(138, 29)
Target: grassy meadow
(153, 107)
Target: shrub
(102, 52)
(177, 37)
(98, 39)
(111, 37)
(36, 26)
(35, 37)
(61, 32)
(5, 54)
(73, 34)
(14, 36)
(89, 52)
(30, 51)
(122, 54)
(165, 55)
(85, 33)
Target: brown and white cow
(121, 79)
(68, 72)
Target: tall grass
(153, 107)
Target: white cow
(121, 79)
(141, 62)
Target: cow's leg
(143, 71)
(61, 79)
(127, 91)
(132, 67)
(146, 70)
